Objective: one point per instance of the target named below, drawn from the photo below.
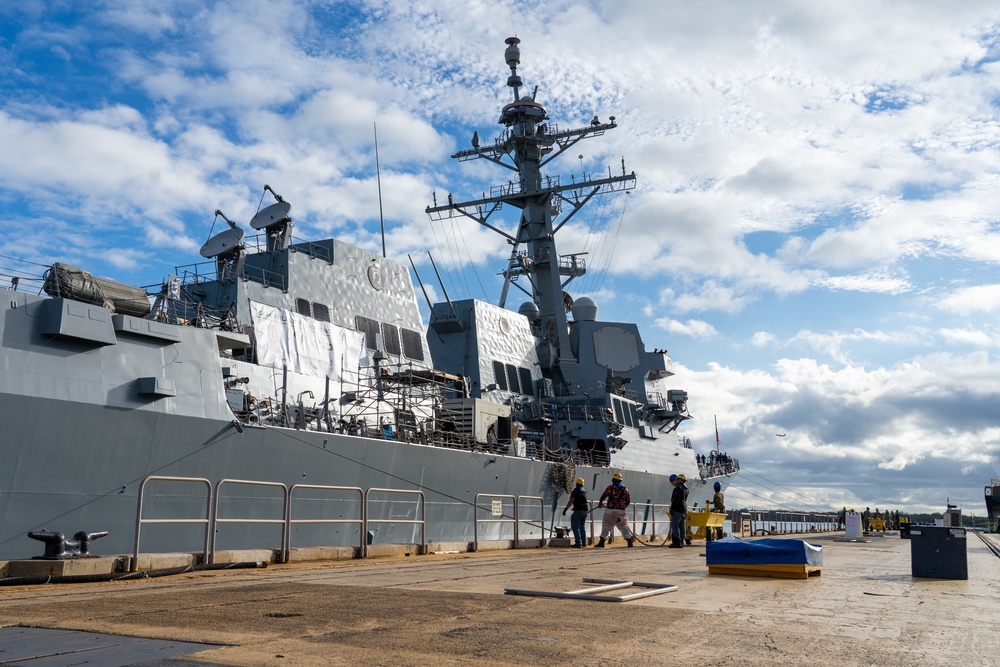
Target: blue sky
(814, 236)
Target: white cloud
(692, 328)
(970, 337)
(877, 282)
(976, 299)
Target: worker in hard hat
(678, 511)
(718, 506)
(578, 520)
(618, 501)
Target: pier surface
(451, 609)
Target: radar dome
(584, 309)
(529, 310)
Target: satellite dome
(529, 310)
(584, 309)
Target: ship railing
(762, 523)
(140, 521)
(361, 521)
(283, 521)
(497, 509)
(653, 514)
(421, 512)
(592, 457)
(718, 468)
(312, 249)
(530, 522)
(207, 271)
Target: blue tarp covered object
(735, 551)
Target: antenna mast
(378, 179)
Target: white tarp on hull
(307, 346)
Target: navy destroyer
(294, 382)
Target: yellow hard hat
(682, 477)
(617, 476)
(579, 481)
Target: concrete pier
(450, 609)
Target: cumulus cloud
(692, 328)
(967, 300)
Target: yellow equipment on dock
(704, 525)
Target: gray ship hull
(80, 469)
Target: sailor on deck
(618, 500)
(678, 511)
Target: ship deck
(451, 609)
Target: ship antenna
(378, 178)
(513, 57)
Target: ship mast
(528, 143)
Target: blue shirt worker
(578, 520)
(678, 511)
(618, 500)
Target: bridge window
(321, 312)
(413, 346)
(369, 328)
(512, 378)
(527, 386)
(500, 375)
(390, 336)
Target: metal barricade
(650, 514)
(475, 516)
(283, 521)
(362, 522)
(421, 512)
(139, 521)
(518, 520)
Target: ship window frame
(303, 307)
(500, 375)
(370, 328)
(413, 344)
(527, 382)
(390, 338)
(513, 383)
(321, 311)
(619, 413)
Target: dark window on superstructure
(619, 415)
(627, 413)
(321, 312)
(500, 375)
(369, 328)
(390, 336)
(526, 383)
(512, 378)
(413, 346)
(634, 411)
(303, 307)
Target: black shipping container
(938, 552)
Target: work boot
(600, 544)
(629, 541)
